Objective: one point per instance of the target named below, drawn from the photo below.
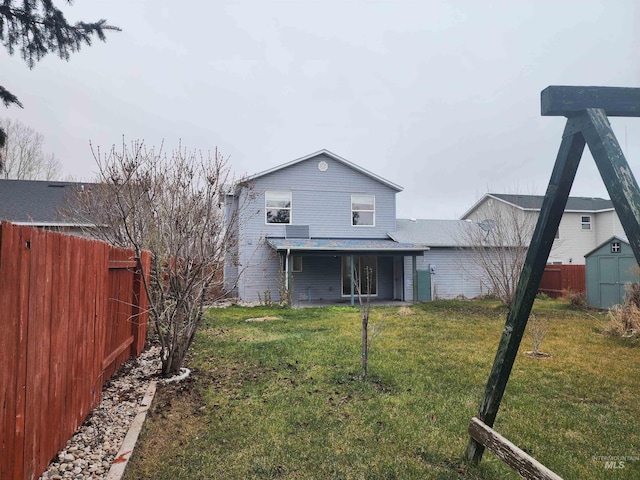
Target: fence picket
(557, 280)
(64, 310)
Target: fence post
(140, 308)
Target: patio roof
(345, 245)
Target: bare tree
(499, 241)
(537, 328)
(364, 298)
(22, 157)
(173, 206)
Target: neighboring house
(611, 267)
(40, 203)
(319, 217)
(585, 224)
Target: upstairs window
(615, 247)
(363, 210)
(586, 222)
(278, 207)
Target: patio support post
(286, 270)
(351, 279)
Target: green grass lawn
(284, 398)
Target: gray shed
(610, 267)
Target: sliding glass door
(365, 268)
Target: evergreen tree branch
(8, 98)
(37, 28)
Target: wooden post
(553, 207)
(616, 174)
(523, 463)
(587, 109)
(140, 307)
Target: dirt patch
(539, 355)
(404, 312)
(262, 319)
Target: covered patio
(337, 270)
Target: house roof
(335, 245)
(435, 233)
(332, 156)
(534, 203)
(622, 238)
(36, 202)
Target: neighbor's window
(615, 247)
(278, 207)
(363, 210)
(586, 222)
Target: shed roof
(332, 156)
(36, 202)
(621, 238)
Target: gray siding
(230, 271)
(260, 274)
(320, 279)
(455, 274)
(321, 200)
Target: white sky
(440, 97)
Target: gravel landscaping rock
(88, 455)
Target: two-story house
(318, 228)
(586, 222)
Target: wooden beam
(564, 101)
(122, 264)
(616, 175)
(527, 466)
(553, 205)
(113, 355)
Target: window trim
(373, 197)
(267, 208)
(586, 224)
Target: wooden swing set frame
(587, 110)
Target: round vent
(323, 166)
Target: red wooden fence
(71, 311)
(557, 280)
